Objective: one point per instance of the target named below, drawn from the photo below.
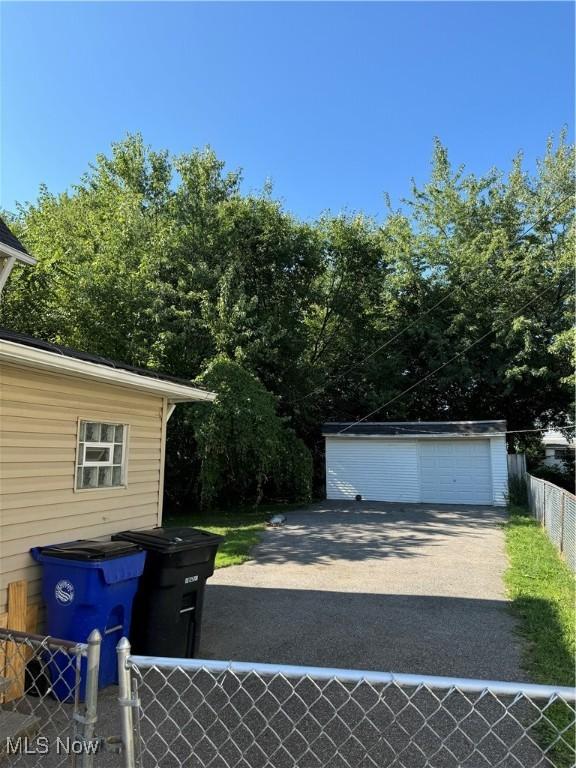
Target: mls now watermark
(42, 745)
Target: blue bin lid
(117, 561)
(89, 549)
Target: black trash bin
(167, 613)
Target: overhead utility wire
(439, 368)
(418, 317)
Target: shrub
(295, 480)
(517, 491)
(561, 477)
(245, 448)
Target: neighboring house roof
(414, 428)
(7, 237)
(11, 246)
(553, 438)
(19, 349)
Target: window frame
(81, 446)
(108, 446)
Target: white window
(101, 457)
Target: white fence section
(216, 714)
(555, 508)
(516, 464)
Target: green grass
(542, 590)
(241, 528)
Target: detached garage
(441, 462)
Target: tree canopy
(458, 305)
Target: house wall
(550, 459)
(39, 415)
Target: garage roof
(414, 428)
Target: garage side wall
(39, 415)
(499, 464)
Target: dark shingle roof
(415, 428)
(8, 238)
(30, 341)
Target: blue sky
(336, 103)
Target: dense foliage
(164, 262)
(243, 445)
(562, 475)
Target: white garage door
(456, 471)
(378, 470)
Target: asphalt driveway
(414, 589)
(372, 586)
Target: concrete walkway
(414, 589)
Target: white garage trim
(444, 468)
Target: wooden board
(32, 615)
(3, 625)
(15, 655)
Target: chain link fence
(43, 721)
(210, 714)
(555, 508)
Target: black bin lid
(89, 549)
(170, 539)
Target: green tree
(244, 446)
(164, 262)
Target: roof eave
(30, 357)
(9, 252)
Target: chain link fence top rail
(555, 509)
(210, 714)
(37, 727)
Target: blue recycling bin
(88, 585)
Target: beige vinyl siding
(39, 415)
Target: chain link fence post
(126, 702)
(88, 719)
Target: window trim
(108, 446)
(124, 464)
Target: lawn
(542, 590)
(241, 528)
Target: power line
(387, 343)
(458, 354)
(374, 352)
